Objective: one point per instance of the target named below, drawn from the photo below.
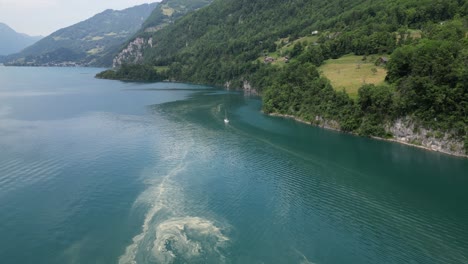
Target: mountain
(88, 42)
(276, 48)
(163, 15)
(13, 41)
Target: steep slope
(87, 42)
(12, 41)
(163, 15)
(276, 46)
(229, 33)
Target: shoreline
(295, 118)
(336, 129)
(305, 122)
(419, 146)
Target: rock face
(248, 89)
(407, 131)
(133, 53)
(165, 13)
(245, 86)
(325, 123)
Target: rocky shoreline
(430, 143)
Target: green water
(96, 171)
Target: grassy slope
(343, 73)
(350, 73)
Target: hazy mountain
(87, 42)
(12, 41)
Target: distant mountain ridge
(87, 43)
(12, 41)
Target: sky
(42, 17)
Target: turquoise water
(96, 171)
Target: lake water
(97, 171)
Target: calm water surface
(96, 171)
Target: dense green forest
(165, 14)
(427, 72)
(132, 73)
(170, 10)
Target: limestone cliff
(166, 13)
(133, 53)
(406, 130)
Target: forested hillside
(276, 46)
(166, 13)
(89, 42)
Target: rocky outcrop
(248, 89)
(245, 86)
(133, 53)
(325, 123)
(227, 85)
(406, 130)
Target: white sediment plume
(303, 258)
(159, 203)
(189, 239)
(169, 233)
(156, 196)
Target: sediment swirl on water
(170, 233)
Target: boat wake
(189, 240)
(170, 233)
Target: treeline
(222, 41)
(431, 77)
(427, 72)
(297, 89)
(169, 10)
(133, 73)
(427, 80)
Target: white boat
(226, 120)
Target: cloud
(4, 111)
(27, 3)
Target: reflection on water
(286, 187)
(95, 171)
